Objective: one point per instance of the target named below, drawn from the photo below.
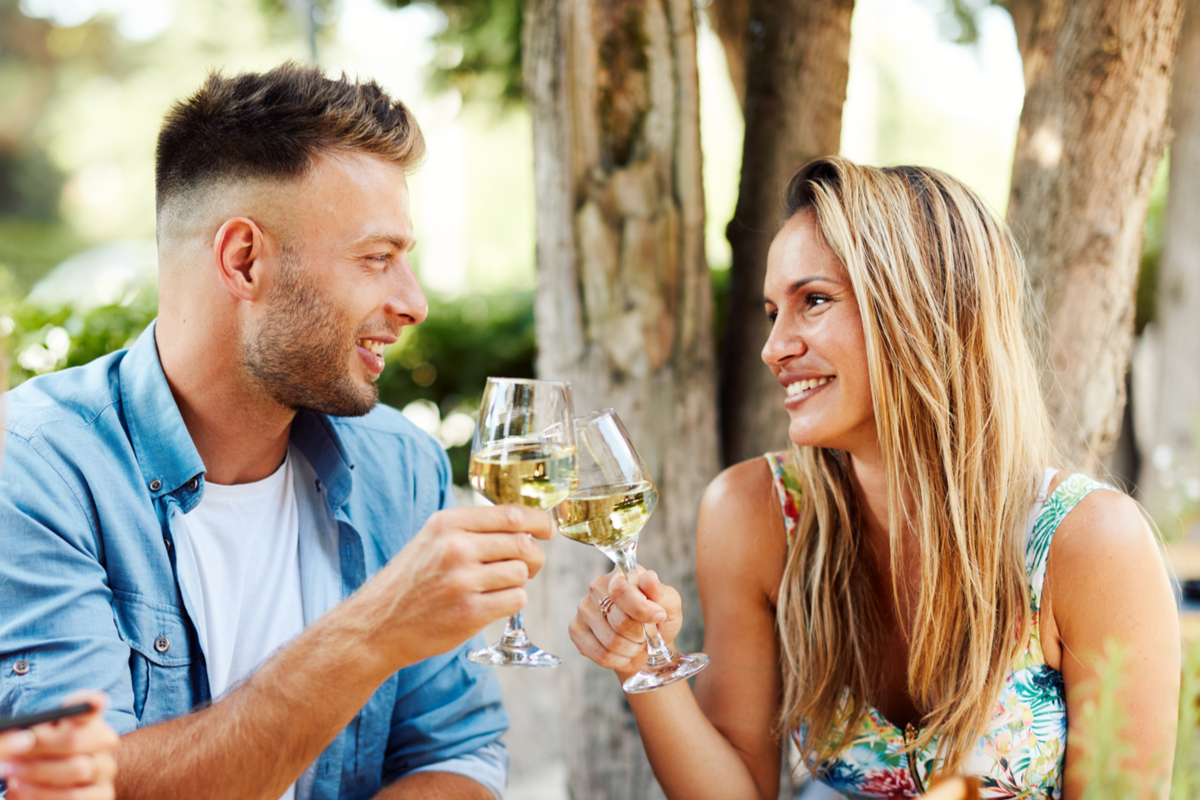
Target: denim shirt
(99, 465)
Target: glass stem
(659, 655)
(514, 632)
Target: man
(219, 527)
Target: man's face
(343, 290)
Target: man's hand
(70, 759)
(464, 569)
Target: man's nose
(406, 300)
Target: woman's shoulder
(1105, 572)
(1098, 523)
(741, 526)
(746, 492)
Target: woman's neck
(870, 482)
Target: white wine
(608, 517)
(531, 474)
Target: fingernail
(5, 769)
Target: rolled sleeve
(488, 765)
(447, 708)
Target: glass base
(506, 655)
(678, 668)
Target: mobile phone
(29, 720)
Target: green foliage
(1146, 303)
(479, 51)
(42, 340)
(1185, 778)
(1102, 738)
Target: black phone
(29, 720)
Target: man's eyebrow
(800, 284)
(401, 243)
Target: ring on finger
(606, 604)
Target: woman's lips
(801, 390)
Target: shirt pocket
(161, 657)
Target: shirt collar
(165, 452)
(164, 449)
(317, 439)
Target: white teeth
(797, 387)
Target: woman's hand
(70, 759)
(616, 639)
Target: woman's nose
(783, 344)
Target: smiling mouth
(798, 387)
(374, 345)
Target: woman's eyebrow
(800, 284)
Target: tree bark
(797, 65)
(623, 307)
(1093, 128)
(1176, 402)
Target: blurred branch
(479, 51)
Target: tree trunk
(1097, 74)
(797, 64)
(1176, 403)
(623, 307)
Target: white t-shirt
(244, 539)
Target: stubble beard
(298, 355)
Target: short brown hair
(273, 124)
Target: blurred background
(84, 85)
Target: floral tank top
(1021, 753)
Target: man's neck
(240, 434)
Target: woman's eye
(772, 315)
(817, 300)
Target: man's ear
(240, 254)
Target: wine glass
(614, 500)
(523, 452)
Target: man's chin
(342, 403)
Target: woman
(910, 591)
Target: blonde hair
(963, 433)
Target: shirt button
(193, 484)
(155, 485)
(21, 667)
(162, 644)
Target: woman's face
(816, 348)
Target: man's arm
(454, 577)
(436, 786)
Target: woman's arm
(1106, 581)
(719, 742)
